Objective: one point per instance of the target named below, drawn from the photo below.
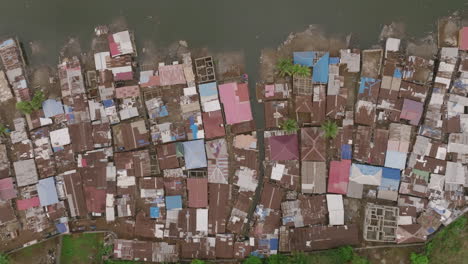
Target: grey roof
(47, 191)
(26, 172)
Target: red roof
(198, 192)
(7, 190)
(284, 147)
(339, 176)
(243, 92)
(213, 123)
(463, 39)
(27, 203)
(127, 91)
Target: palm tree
(284, 67)
(301, 70)
(330, 128)
(289, 125)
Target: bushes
(252, 260)
(4, 259)
(419, 259)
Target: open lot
(41, 253)
(81, 248)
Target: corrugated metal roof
(47, 191)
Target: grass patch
(447, 246)
(81, 248)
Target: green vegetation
(252, 260)
(197, 261)
(3, 130)
(4, 259)
(290, 125)
(330, 128)
(287, 68)
(27, 107)
(110, 261)
(333, 256)
(446, 246)
(82, 248)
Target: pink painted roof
(269, 90)
(152, 81)
(339, 176)
(7, 189)
(235, 102)
(27, 203)
(463, 39)
(127, 91)
(284, 147)
(114, 47)
(123, 76)
(412, 111)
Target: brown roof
(314, 177)
(243, 127)
(213, 123)
(242, 249)
(219, 199)
(336, 104)
(239, 212)
(361, 144)
(174, 186)
(81, 136)
(7, 214)
(101, 135)
(167, 156)
(319, 107)
(312, 144)
(197, 192)
(413, 91)
(266, 223)
(201, 248)
(276, 112)
(365, 112)
(73, 187)
(379, 147)
(225, 246)
(318, 238)
(271, 196)
(144, 226)
(290, 178)
(136, 163)
(65, 159)
(129, 136)
(23, 150)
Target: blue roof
(390, 179)
(334, 60)
(389, 173)
(305, 58)
(366, 83)
(61, 228)
(154, 212)
(108, 103)
(47, 191)
(346, 152)
(320, 70)
(208, 89)
(173, 202)
(194, 154)
(274, 244)
(52, 108)
(397, 73)
(7, 42)
(367, 169)
(395, 159)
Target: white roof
(190, 91)
(277, 172)
(455, 173)
(211, 106)
(393, 44)
(335, 209)
(60, 137)
(124, 42)
(202, 220)
(100, 60)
